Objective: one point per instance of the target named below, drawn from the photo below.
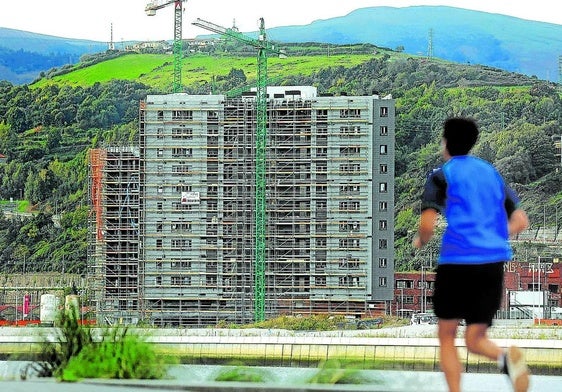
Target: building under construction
(173, 236)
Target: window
(349, 263)
(383, 224)
(350, 131)
(383, 262)
(182, 133)
(349, 243)
(159, 243)
(180, 169)
(383, 206)
(181, 244)
(350, 113)
(350, 151)
(383, 243)
(182, 188)
(179, 206)
(350, 189)
(159, 227)
(320, 280)
(383, 149)
(349, 226)
(180, 227)
(158, 280)
(384, 111)
(160, 115)
(180, 265)
(382, 187)
(349, 206)
(384, 130)
(160, 152)
(180, 280)
(348, 281)
(350, 168)
(383, 168)
(212, 115)
(382, 281)
(211, 280)
(408, 299)
(182, 152)
(182, 115)
(160, 133)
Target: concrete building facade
(330, 207)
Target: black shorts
(470, 292)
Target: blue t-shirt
(476, 203)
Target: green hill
(155, 70)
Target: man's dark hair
(460, 135)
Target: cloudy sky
(93, 19)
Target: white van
(423, 318)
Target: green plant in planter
(75, 354)
(332, 372)
(70, 339)
(119, 355)
(243, 374)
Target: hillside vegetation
(198, 71)
(46, 129)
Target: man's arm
(428, 220)
(518, 221)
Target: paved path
(182, 380)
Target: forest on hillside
(45, 134)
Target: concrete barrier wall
(285, 348)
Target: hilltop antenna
(111, 43)
(430, 45)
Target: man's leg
(450, 363)
(477, 342)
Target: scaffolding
(178, 237)
(113, 266)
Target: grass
(156, 70)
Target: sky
(88, 19)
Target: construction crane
(150, 10)
(264, 47)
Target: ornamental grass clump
(119, 355)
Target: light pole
(558, 143)
(423, 288)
